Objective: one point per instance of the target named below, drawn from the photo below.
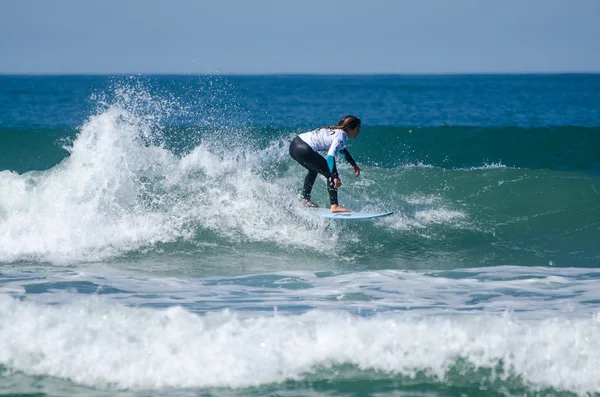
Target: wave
(112, 346)
(124, 186)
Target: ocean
(152, 241)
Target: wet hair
(346, 123)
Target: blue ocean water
(152, 242)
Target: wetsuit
(304, 149)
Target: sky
(299, 36)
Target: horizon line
(275, 74)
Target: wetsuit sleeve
(348, 157)
(332, 167)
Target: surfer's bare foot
(309, 204)
(338, 208)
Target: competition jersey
(332, 140)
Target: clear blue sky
(300, 36)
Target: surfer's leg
(309, 181)
(318, 165)
(315, 164)
(333, 195)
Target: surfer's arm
(336, 145)
(350, 160)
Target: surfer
(304, 150)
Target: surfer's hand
(337, 182)
(357, 171)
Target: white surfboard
(352, 215)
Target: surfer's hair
(347, 123)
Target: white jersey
(332, 140)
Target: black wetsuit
(316, 164)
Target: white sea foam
(422, 211)
(529, 293)
(417, 165)
(99, 344)
(88, 206)
(485, 166)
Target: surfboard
(353, 215)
